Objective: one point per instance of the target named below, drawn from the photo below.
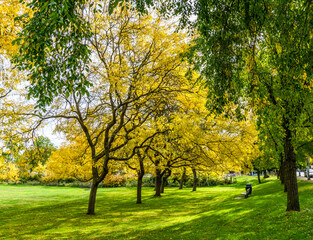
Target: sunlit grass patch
(38, 212)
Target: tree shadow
(209, 213)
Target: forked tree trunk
(290, 170)
(141, 173)
(166, 175)
(195, 180)
(94, 187)
(181, 184)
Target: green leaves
(53, 49)
(140, 5)
(113, 4)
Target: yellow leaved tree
(12, 94)
(136, 66)
(8, 171)
(70, 161)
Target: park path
(305, 179)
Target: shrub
(112, 180)
(148, 181)
(131, 182)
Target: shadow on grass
(209, 213)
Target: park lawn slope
(40, 212)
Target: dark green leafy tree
(53, 48)
(12, 149)
(38, 152)
(264, 50)
(258, 52)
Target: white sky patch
(47, 131)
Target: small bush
(131, 183)
(69, 180)
(148, 181)
(112, 180)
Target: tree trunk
(308, 168)
(163, 180)
(283, 175)
(195, 179)
(265, 174)
(163, 184)
(181, 184)
(281, 169)
(282, 172)
(291, 174)
(259, 176)
(94, 187)
(92, 197)
(141, 173)
(166, 175)
(158, 180)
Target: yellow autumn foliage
(9, 26)
(69, 161)
(8, 171)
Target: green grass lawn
(39, 212)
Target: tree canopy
(131, 89)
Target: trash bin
(248, 188)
